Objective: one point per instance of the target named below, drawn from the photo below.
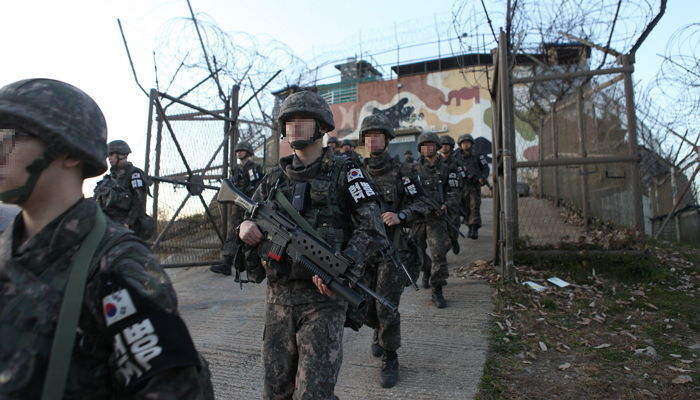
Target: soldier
(333, 143)
(246, 175)
(431, 231)
(302, 343)
(399, 191)
(86, 312)
(447, 145)
(122, 193)
(408, 157)
(349, 151)
(476, 169)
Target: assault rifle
(289, 240)
(438, 211)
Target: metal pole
(156, 171)
(540, 148)
(496, 136)
(147, 159)
(584, 154)
(555, 147)
(508, 154)
(674, 196)
(225, 165)
(632, 137)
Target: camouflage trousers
(234, 219)
(433, 234)
(471, 201)
(388, 282)
(302, 350)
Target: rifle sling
(292, 212)
(71, 305)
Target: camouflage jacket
(397, 185)
(247, 177)
(439, 181)
(475, 166)
(131, 343)
(341, 205)
(455, 164)
(122, 194)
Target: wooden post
(555, 154)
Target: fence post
(674, 196)
(509, 181)
(156, 170)
(632, 137)
(540, 148)
(581, 124)
(555, 154)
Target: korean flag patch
(117, 306)
(136, 180)
(354, 173)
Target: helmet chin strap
(21, 194)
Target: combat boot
(438, 298)
(426, 280)
(390, 369)
(223, 268)
(377, 350)
(475, 232)
(471, 232)
(455, 245)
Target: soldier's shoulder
(127, 261)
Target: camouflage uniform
(107, 360)
(456, 182)
(431, 231)
(122, 195)
(351, 154)
(130, 342)
(302, 341)
(475, 167)
(399, 191)
(245, 177)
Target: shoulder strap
(71, 305)
(289, 208)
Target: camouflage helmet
(427, 137)
(376, 122)
(447, 139)
(348, 142)
(466, 138)
(309, 104)
(244, 146)
(119, 147)
(333, 139)
(61, 115)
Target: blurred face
(116, 159)
(241, 154)
(428, 149)
(445, 148)
(17, 151)
(465, 145)
(375, 141)
(347, 147)
(300, 131)
(332, 145)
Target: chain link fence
(186, 159)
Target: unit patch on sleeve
(136, 180)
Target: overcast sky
(78, 41)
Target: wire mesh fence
(576, 182)
(186, 146)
